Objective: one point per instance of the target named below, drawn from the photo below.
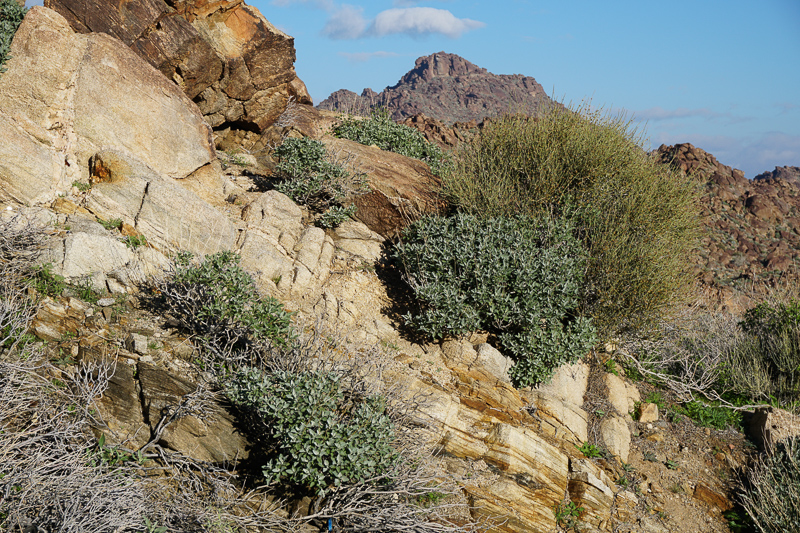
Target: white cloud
(347, 22)
(361, 57)
(421, 21)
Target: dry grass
(637, 217)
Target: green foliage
(379, 129)
(637, 218)
(590, 451)
(113, 223)
(567, 514)
(766, 363)
(311, 177)
(150, 527)
(82, 186)
(218, 300)
(11, 15)
(86, 292)
(135, 241)
(318, 436)
(711, 416)
(46, 282)
(335, 215)
(515, 276)
(772, 497)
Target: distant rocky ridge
(752, 226)
(449, 88)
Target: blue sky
(721, 74)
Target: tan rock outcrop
(65, 96)
(225, 55)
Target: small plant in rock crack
(336, 215)
(319, 438)
(567, 514)
(672, 465)
(135, 241)
(110, 224)
(590, 451)
(649, 456)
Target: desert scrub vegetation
(771, 494)
(470, 273)
(379, 129)
(216, 300)
(11, 15)
(637, 218)
(322, 424)
(313, 177)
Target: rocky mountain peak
(439, 65)
(449, 88)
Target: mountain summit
(449, 88)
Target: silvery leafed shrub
(518, 277)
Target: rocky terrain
(113, 114)
(449, 88)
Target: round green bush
(772, 496)
(518, 277)
(379, 129)
(217, 300)
(637, 218)
(765, 365)
(317, 436)
(310, 176)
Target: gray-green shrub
(516, 276)
(772, 494)
(310, 175)
(11, 15)
(765, 364)
(319, 437)
(637, 218)
(379, 129)
(217, 300)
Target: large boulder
(225, 55)
(402, 188)
(65, 96)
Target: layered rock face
(753, 227)
(449, 88)
(225, 55)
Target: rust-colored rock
(711, 497)
(449, 88)
(403, 188)
(225, 55)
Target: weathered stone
(616, 436)
(76, 94)
(648, 413)
(769, 425)
(211, 437)
(277, 215)
(568, 383)
(623, 397)
(403, 189)
(119, 407)
(225, 55)
(711, 497)
(590, 487)
(125, 188)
